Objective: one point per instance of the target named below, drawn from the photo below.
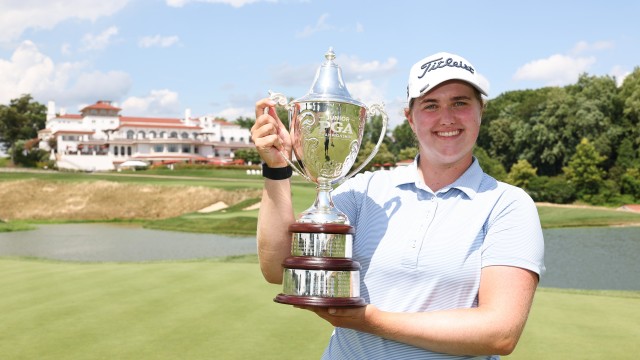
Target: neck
(436, 176)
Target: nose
(447, 116)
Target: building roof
(70, 116)
(143, 122)
(101, 105)
(69, 131)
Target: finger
(262, 105)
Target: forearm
(461, 331)
(274, 218)
(494, 327)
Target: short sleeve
(514, 234)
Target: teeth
(449, 133)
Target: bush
(551, 189)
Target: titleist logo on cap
(436, 64)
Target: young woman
(450, 257)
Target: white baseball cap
(438, 68)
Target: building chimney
(51, 110)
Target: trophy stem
(323, 211)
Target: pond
(106, 242)
(580, 258)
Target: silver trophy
(326, 128)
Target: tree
(489, 164)
(521, 173)
(630, 183)
(21, 120)
(25, 153)
(383, 156)
(248, 155)
(245, 122)
(373, 130)
(403, 138)
(583, 170)
(408, 153)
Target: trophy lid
(328, 84)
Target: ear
(407, 115)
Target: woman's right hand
(270, 135)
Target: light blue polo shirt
(423, 251)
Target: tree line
(579, 142)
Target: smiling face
(446, 121)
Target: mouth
(450, 133)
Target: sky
(157, 58)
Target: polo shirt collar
(468, 183)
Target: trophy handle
(280, 99)
(371, 111)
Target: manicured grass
(233, 220)
(15, 226)
(556, 217)
(224, 310)
(575, 324)
(166, 310)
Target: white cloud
(29, 71)
(619, 73)
(365, 91)
(100, 41)
(162, 102)
(559, 69)
(65, 49)
(582, 47)
(16, 16)
(234, 3)
(159, 41)
(320, 25)
(352, 69)
(556, 70)
(355, 67)
(232, 113)
(359, 28)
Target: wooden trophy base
(305, 268)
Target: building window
(122, 150)
(174, 135)
(158, 148)
(184, 135)
(163, 134)
(115, 150)
(129, 150)
(186, 149)
(130, 134)
(172, 148)
(141, 134)
(152, 134)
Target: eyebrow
(455, 98)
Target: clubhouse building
(101, 139)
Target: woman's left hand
(356, 318)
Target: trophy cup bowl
(326, 128)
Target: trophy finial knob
(330, 55)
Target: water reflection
(580, 258)
(592, 258)
(106, 242)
